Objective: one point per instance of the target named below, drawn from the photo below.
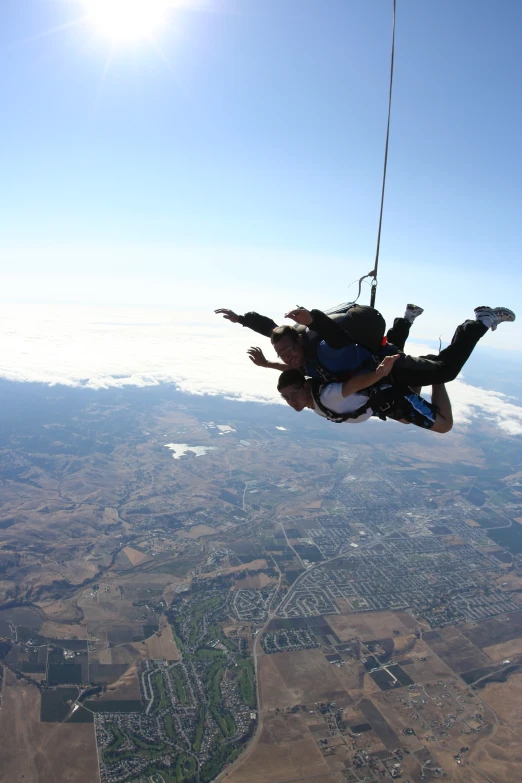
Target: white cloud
(102, 347)
(470, 402)
(198, 277)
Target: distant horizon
(112, 347)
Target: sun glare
(128, 20)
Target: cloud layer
(201, 354)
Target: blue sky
(245, 171)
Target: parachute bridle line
(373, 273)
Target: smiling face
(298, 397)
(290, 352)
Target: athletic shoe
(493, 316)
(412, 312)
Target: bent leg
(411, 408)
(435, 416)
(444, 421)
(399, 333)
(438, 369)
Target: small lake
(180, 449)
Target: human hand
(300, 316)
(229, 315)
(257, 356)
(386, 366)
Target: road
(290, 545)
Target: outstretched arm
(258, 323)
(327, 329)
(366, 379)
(258, 358)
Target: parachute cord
(361, 280)
(373, 273)
(341, 307)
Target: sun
(128, 20)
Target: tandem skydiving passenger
(386, 391)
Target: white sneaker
(491, 317)
(412, 312)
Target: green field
(179, 684)
(185, 767)
(145, 744)
(176, 569)
(221, 755)
(216, 631)
(200, 728)
(169, 727)
(213, 683)
(246, 682)
(183, 771)
(118, 740)
(208, 653)
(197, 610)
(163, 701)
(213, 688)
(226, 724)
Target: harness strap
(380, 400)
(317, 388)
